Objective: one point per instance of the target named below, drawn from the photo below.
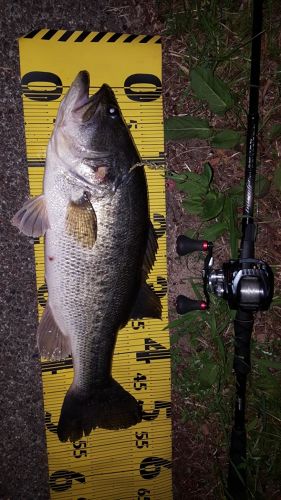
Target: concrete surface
(23, 470)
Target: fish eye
(113, 112)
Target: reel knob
(185, 245)
(185, 305)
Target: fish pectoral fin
(147, 304)
(81, 222)
(151, 250)
(52, 343)
(32, 218)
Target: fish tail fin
(109, 407)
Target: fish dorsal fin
(32, 218)
(151, 250)
(81, 222)
(52, 343)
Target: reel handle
(185, 245)
(185, 305)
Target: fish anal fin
(52, 343)
(151, 250)
(32, 218)
(81, 222)
(147, 304)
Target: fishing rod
(246, 283)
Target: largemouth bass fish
(99, 248)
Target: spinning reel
(245, 283)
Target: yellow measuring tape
(134, 463)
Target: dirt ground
(21, 407)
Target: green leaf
(208, 374)
(226, 139)
(236, 192)
(214, 231)
(213, 205)
(262, 186)
(275, 131)
(193, 205)
(193, 188)
(177, 322)
(177, 177)
(207, 173)
(186, 127)
(277, 177)
(200, 178)
(195, 184)
(208, 87)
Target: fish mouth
(87, 106)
